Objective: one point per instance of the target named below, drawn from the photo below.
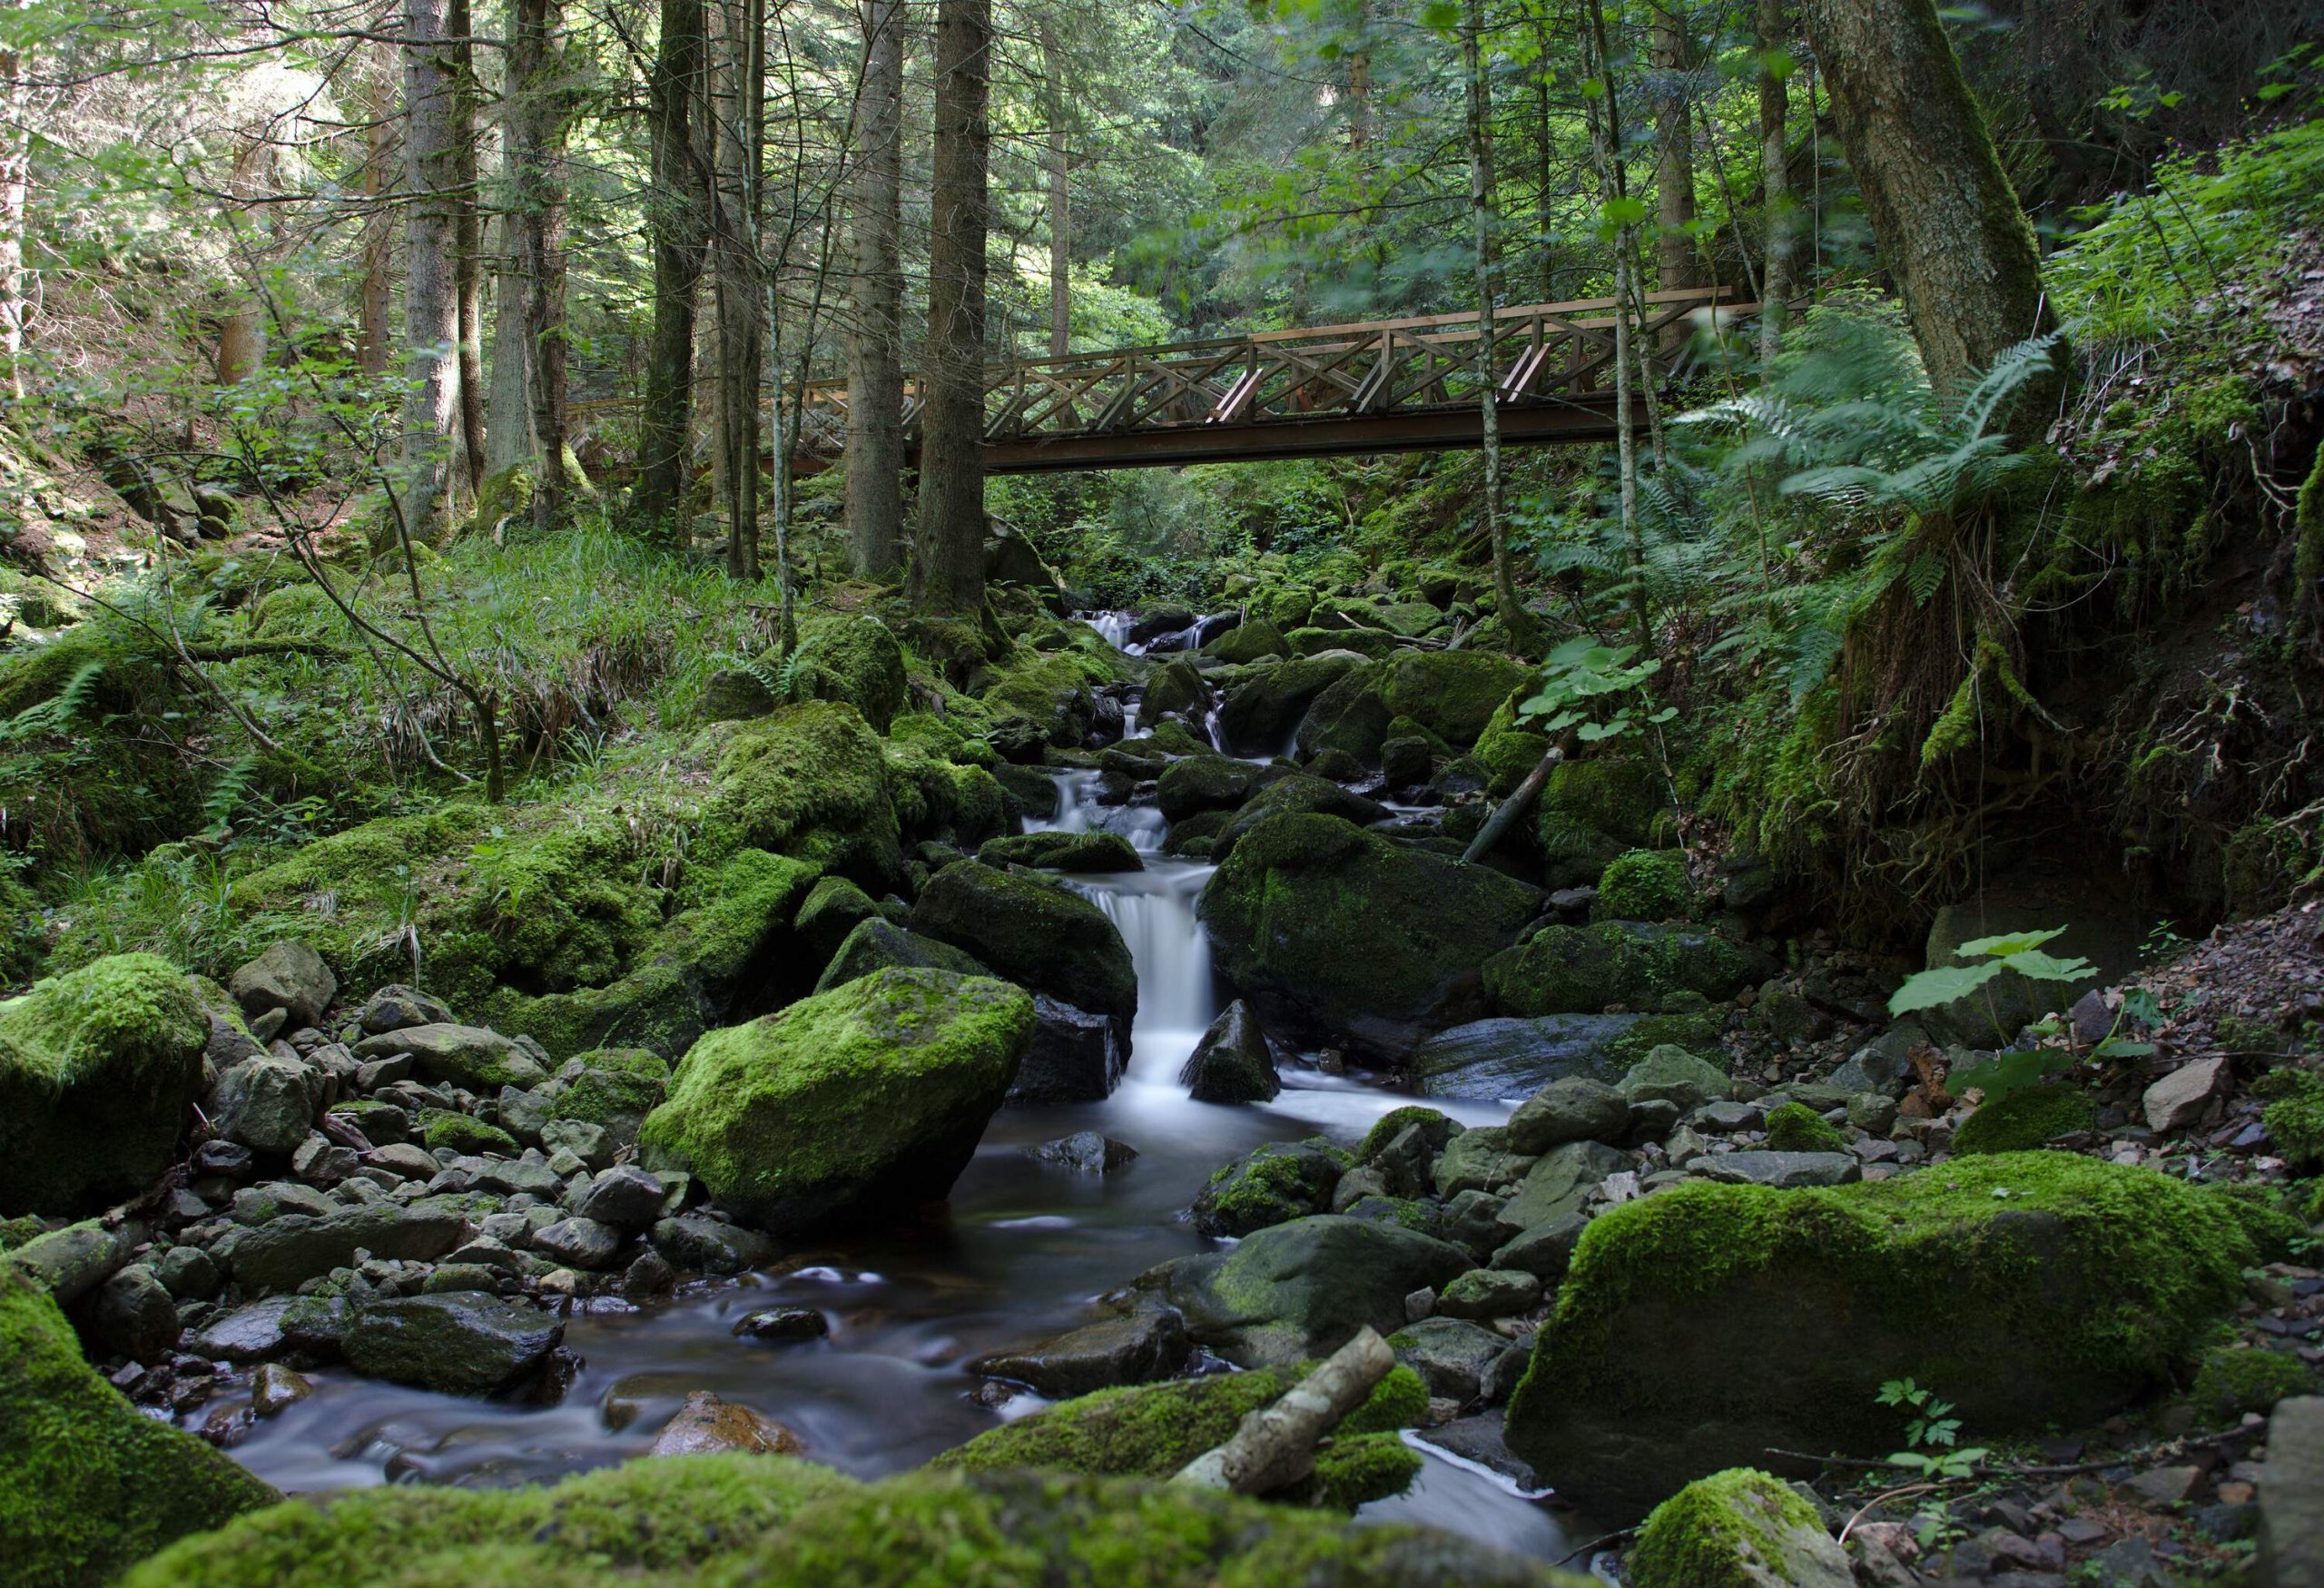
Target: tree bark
(734, 251)
(1482, 223)
(1606, 146)
(16, 184)
(948, 553)
(1676, 263)
(431, 414)
(1942, 209)
(1060, 202)
(1275, 1446)
(1776, 284)
(468, 245)
(875, 382)
(677, 219)
(536, 160)
(242, 332)
(375, 334)
(508, 407)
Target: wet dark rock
(1086, 1153)
(230, 1158)
(287, 1251)
(783, 1325)
(1485, 1293)
(1544, 1250)
(274, 1388)
(316, 1324)
(1202, 783)
(1041, 935)
(1782, 1170)
(697, 1243)
(1450, 1354)
(458, 1342)
(248, 1334)
(261, 1204)
(1574, 1109)
(1232, 1063)
(189, 1273)
(1299, 1290)
(1489, 1059)
(649, 1274)
(1479, 1160)
(579, 1243)
(586, 1139)
(471, 1057)
(1476, 1221)
(1562, 1181)
(133, 1315)
(1076, 1057)
(290, 977)
(268, 1104)
(625, 1197)
(396, 1007)
(1136, 1349)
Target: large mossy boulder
(1296, 795)
(1260, 713)
(1040, 935)
(89, 1484)
(1592, 812)
(870, 1097)
(97, 1068)
(1051, 690)
(853, 658)
(778, 1522)
(1452, 694)
(811, 781)
(1701, 1326)
(1349, 716)
(1301, 1289)
(1326, 925)
(1568, 970)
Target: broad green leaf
(1591, 733)
(1942, 985)
(2007, 1072)
(2013, 942)
(2122, 1047)
(2043, 967)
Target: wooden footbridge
(1387, 386)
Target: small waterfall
(1114, 627)
(1154, 911)
(1078, 811)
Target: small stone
(587, 1141)
(580, 1243)
(2180, 1098)
(1573, 1108)
(403, 1160)
(1489, 1293)
(1085, 1152)
(649, 1274)
(1232, 1063)
(626, 1198)
(1420, 1304)
(374, 1074)
(2168, 1485)
(230, 1158)
(2232, 1493)
(189, 1273)
(1724, 1119)
(320, 1161)
(706, 1425)
(394, 1007)
(784, 1324)
(1138, 1348)
(1784, 1170)
(459, 1342)
(275, 1389)
(290, 977)
(133, 1315)
(1872, 1113)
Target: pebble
(784, 1324)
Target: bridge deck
(1387, 386)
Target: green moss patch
(2023, 1119)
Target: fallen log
(1276, 1445)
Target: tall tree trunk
(1481, 226)
(431, 414)
(1060, 202)
(948, 553)
(1942, 209)
(242, 330)
(734, 252)
(468, 247)
(1676, 263)
(16, 184)
(508, 407)
(1775, 176)
(875, 382)
(676, 216)
(536, 160)
(1605, 147)
(375, 333)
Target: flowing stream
(1023, 1249)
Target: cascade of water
(1113, 626)
(1153, 910)
(1078, 811)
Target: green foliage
(2237, 1379)
(2295, 1115)
(2023, 1118)
(1645, 884)
(1584, 686)
(2021, 952)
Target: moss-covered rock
(1203, 783)
(1279, 1181)
(1508, 750)
(88, 1484)
(1740, 1528)
(870, 1096)
(1052, 690)
(1570, 970)
(853, 658)
(2020, 1121)
(1260, 713)
(773, 1522)
(2236, 1379)
(613, 1087)
(1298, 793)
(1303, 1289)
(1155, 1429)
(97, 1068)
(2028, 1288)
(880, 945)
(1452, 694)
(811, 782)
(1325, 924)
(1064, 852)
(1592, 811)
(1644, 885)
(1038, 934)
(1349, 716)
(1254, 639)
(1796, 1128)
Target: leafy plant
(1930, 1433)
(2018, 952)
(1584, 686)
